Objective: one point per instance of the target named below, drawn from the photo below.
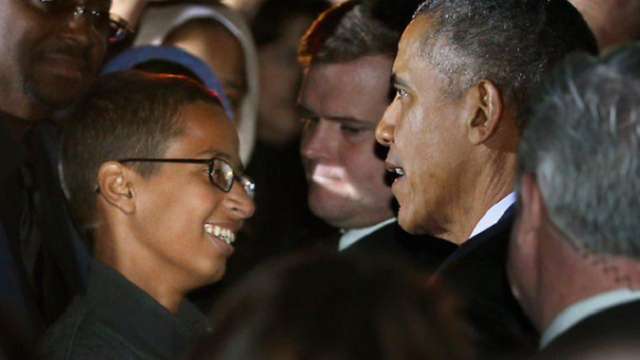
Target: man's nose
(319, 141)
(386, 127)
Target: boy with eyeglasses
(150, 167)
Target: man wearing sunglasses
(50, 53)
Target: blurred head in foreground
(319, 306)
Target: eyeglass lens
(98, 17)
(222, 175)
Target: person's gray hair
(511, 43)
(582, 142)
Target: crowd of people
(363, 179)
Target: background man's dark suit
(476, 272)
(424, 252)
(46, 262)
(613, 326)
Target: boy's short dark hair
(126, 114)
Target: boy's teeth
(223, 234)
(399, 171)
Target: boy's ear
(116, 187)
(488, 103)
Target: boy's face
(177, 207)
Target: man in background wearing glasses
(50, 53)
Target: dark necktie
(29, 230)
(50, 246)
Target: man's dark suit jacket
(614, 326)
(477, 274)
(423, 252)
(57, 274)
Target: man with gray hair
(347, 55)
(463, 71)
(574, 262)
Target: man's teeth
(221, 233)
(398, 171)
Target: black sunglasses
(113, 29)
(221, 173)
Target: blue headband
(133, 57)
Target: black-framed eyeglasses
(99, 18)
(221, 173)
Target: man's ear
(534, 211)
(116, 187)
(487, 101)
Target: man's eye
(400, 93)
(350, 130)
(101, 15)
(308, 120)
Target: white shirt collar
(351, 236)
(493, 215)
(585, 308)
